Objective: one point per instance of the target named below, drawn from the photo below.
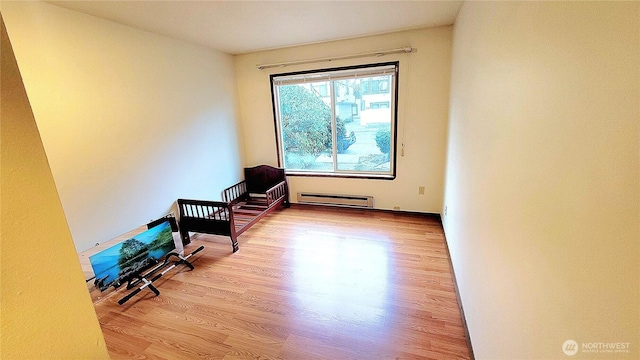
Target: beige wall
(422, 116)
(46, 309)
(543, 176)
(130, 120)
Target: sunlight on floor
(341, 277)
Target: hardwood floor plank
(308, 283)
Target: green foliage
(130, 249)
(164, 238)
(306, 121)
(383, 140)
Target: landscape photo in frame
(124, 261)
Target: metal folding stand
(149, 283)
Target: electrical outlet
(445, 211)
(420, 190)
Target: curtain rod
(407, 49)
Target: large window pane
(305, 118)
(363, 136)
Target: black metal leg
(154, 289)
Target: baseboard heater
(358, 201)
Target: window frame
(341, 173)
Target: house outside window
(337, 122)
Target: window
(379, 105)
(347, 130)
(376, 85)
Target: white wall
(422, 116)
(543, 176)
(130, 120)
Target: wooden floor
(307, 283)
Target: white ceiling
(237, 27)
